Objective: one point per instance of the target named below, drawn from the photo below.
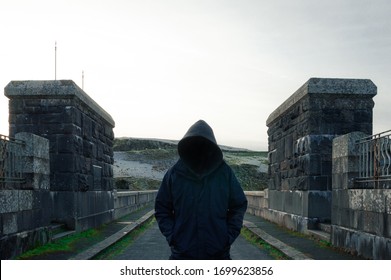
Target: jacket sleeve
(236, 209)
(164, 210)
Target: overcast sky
(159, 66)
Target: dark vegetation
(250, 177)
(136, 184)
(69, 246)
(162, 154)
(131, 144)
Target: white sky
(159, 66)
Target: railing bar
(370, 138)
(383, 157)
(375, 159)
(388, 159)
(10, 160)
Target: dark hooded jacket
(200, 204)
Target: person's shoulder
(229, 172)
(224, 165)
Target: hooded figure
(200, 204)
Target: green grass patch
(318, 242)
(136, 184)
(324, 244)
(260, 243)
(65, 244)
(120, 246)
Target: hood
(198, 149)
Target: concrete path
(151, 245)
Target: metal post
(55, 60)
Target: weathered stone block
(9, 201)
(303, 183)
(71, 144)
(319, 205)
(326, 167)
(276, 200)
(108, 170)
(107, 184)
(27, 220)
(64, 181)
(340, 198)
(319, 183)
(89, 149)
(372, 223)
(387, 229)
(25, 200)
(63, 163)
(346, 217)
(85, 183)
(335, 216)
(10, 223)
(35, 146)
(97, 177)
(345, 145)
(64, 203)
(376, 200)
(294, 201)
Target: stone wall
(361, 217)
(257, 202)
(80, 135)
(300, 133)
(25, 208)
(126, 202)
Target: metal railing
(10, 161)
(375, 160)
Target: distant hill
(130, 143)
(140, 164)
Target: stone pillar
(80, 135)
(301, 132)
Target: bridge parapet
(126, 202)
(301, 132)
(257, 202)
(80, 135)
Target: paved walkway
(151, 245)
(303, 246)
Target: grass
(120, 246)
(65, 244)
(260, 243)
(324, 244)
(136, 184)
(153, 154)
(319, 242)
